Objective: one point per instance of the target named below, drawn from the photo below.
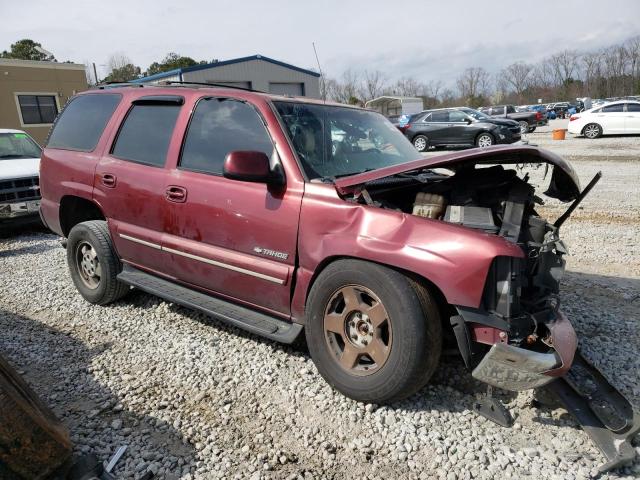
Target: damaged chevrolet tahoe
(279, 214)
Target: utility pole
(95, 72)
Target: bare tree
(614, 60)
(564, 66)
(518, 77)
(347, 89)
(407, 87)
(88, 73)
(632, 47)
(473, 84)
(373, 84)
(501, 89)
(592, 67)
(433, 89)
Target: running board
(236, 315)
(604, 414)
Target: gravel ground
(193, 398)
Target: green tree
(27, 49)
(121, 68)
(171, 62)
(123, 74)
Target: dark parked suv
(458, 127)
(278, 214)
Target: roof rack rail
(107, 85)
(204, 84)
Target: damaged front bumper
(602, 411)
(515, 368)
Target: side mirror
(250, 166)
(468, 121)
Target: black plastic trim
(233, 314)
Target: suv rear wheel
(93, 263)
(374, 334)
(421, 143)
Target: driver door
(231, 237)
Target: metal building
(256, 72)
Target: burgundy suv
(279, 214)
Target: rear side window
(616, 107)
(82, 122)
(220, 126)
(145, 134)
(440, 117)
(633, 107)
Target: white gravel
(193, 398)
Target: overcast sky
(429, 40)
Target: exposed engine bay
(493, 199)
(496, 200)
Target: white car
(19, 175)
(619, 117)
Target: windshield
(339, 141)
(478, 115)
(17, 145)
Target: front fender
(456, 259)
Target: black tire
(420, 142)
(416, 343)
(105, 288)
(485, 139)
(524, 126)
(532, 129)
(592, 131)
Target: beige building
(32, 93)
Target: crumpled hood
(564, 185)
(13, 168)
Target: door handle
(108, 180)
(175, 193)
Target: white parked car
(612, 118)
(19, 175)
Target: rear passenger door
(632, 119)
(612, 118)
(235, 238)
(437, 126)
(130, 179)
(462, 129)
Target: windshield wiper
(332, 178)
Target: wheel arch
(591, 123)
(488, 131)
(445, 309)
(74, 210)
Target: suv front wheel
(93, 263)
(373, 333)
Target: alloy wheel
(88, 265)
(485, 140)
(420, 143)
(591, 131)
(357, 330)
